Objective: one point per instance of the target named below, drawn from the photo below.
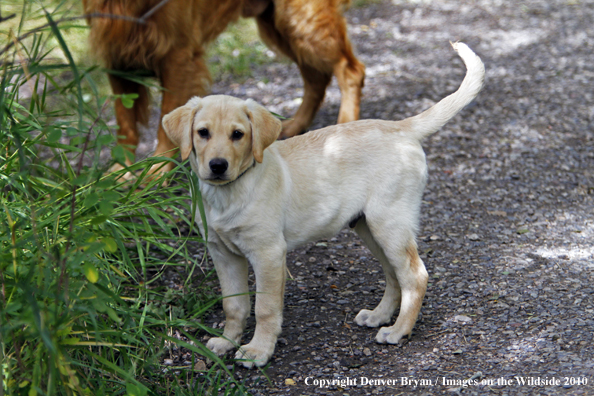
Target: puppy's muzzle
(218, 166)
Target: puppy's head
(227, 134)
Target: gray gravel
(507, 218)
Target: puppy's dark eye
(203, 132)
(236, 135)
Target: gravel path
(507, 218)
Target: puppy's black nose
(218, 166)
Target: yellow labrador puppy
(263, 197)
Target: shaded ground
(507, 218)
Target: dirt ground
(507, 219)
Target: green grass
(83, 306)
(74, 32)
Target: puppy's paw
(219, 345)
(369, 318)
(390, 335)
(251, 356)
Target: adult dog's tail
(429, 121)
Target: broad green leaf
(113, 315)
(54, 135)
(91, 200)
(135, 390)
(110, 245)
(110, 196)
(99, 220)
(80, 180)
(99, 305)
(119, 154)
(105, 207)
(128, 100)
(105, 139)
(70, 131)
(91, 272)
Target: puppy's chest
(228, 230)
(231, 238)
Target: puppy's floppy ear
(265, 128)
(178, 125)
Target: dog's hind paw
(369, 318)
(250, 357)
(390, 335)
(219, 345)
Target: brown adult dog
(172, 46)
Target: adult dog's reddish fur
(172, 45)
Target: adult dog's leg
(183, 75)
(127, 118)
(315, 83)
(270, 269)
(382, 314)
(350, 74)
(313, 35)
(232, 271)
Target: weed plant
(81, 253)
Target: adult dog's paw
(371, 318)
(219, 345)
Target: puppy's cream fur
(275, 195)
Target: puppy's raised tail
(429, 121)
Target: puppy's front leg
(270, 270)
(232, 271)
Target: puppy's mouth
(218, 179)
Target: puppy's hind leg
(412, 276)
(396, 238)
(382, 314)
(232, 271)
